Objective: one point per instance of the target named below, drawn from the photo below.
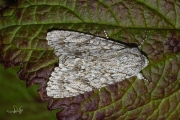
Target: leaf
(23, 31)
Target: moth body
(87, 62)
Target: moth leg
(141, 76)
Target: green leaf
(23, 30)
(13, 92)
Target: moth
(88, 62)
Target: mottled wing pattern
(87, 62)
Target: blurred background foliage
(13, 92)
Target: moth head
(138, 57)
(132, 60)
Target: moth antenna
(105, 32)
(142, 42)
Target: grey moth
(88, 62)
